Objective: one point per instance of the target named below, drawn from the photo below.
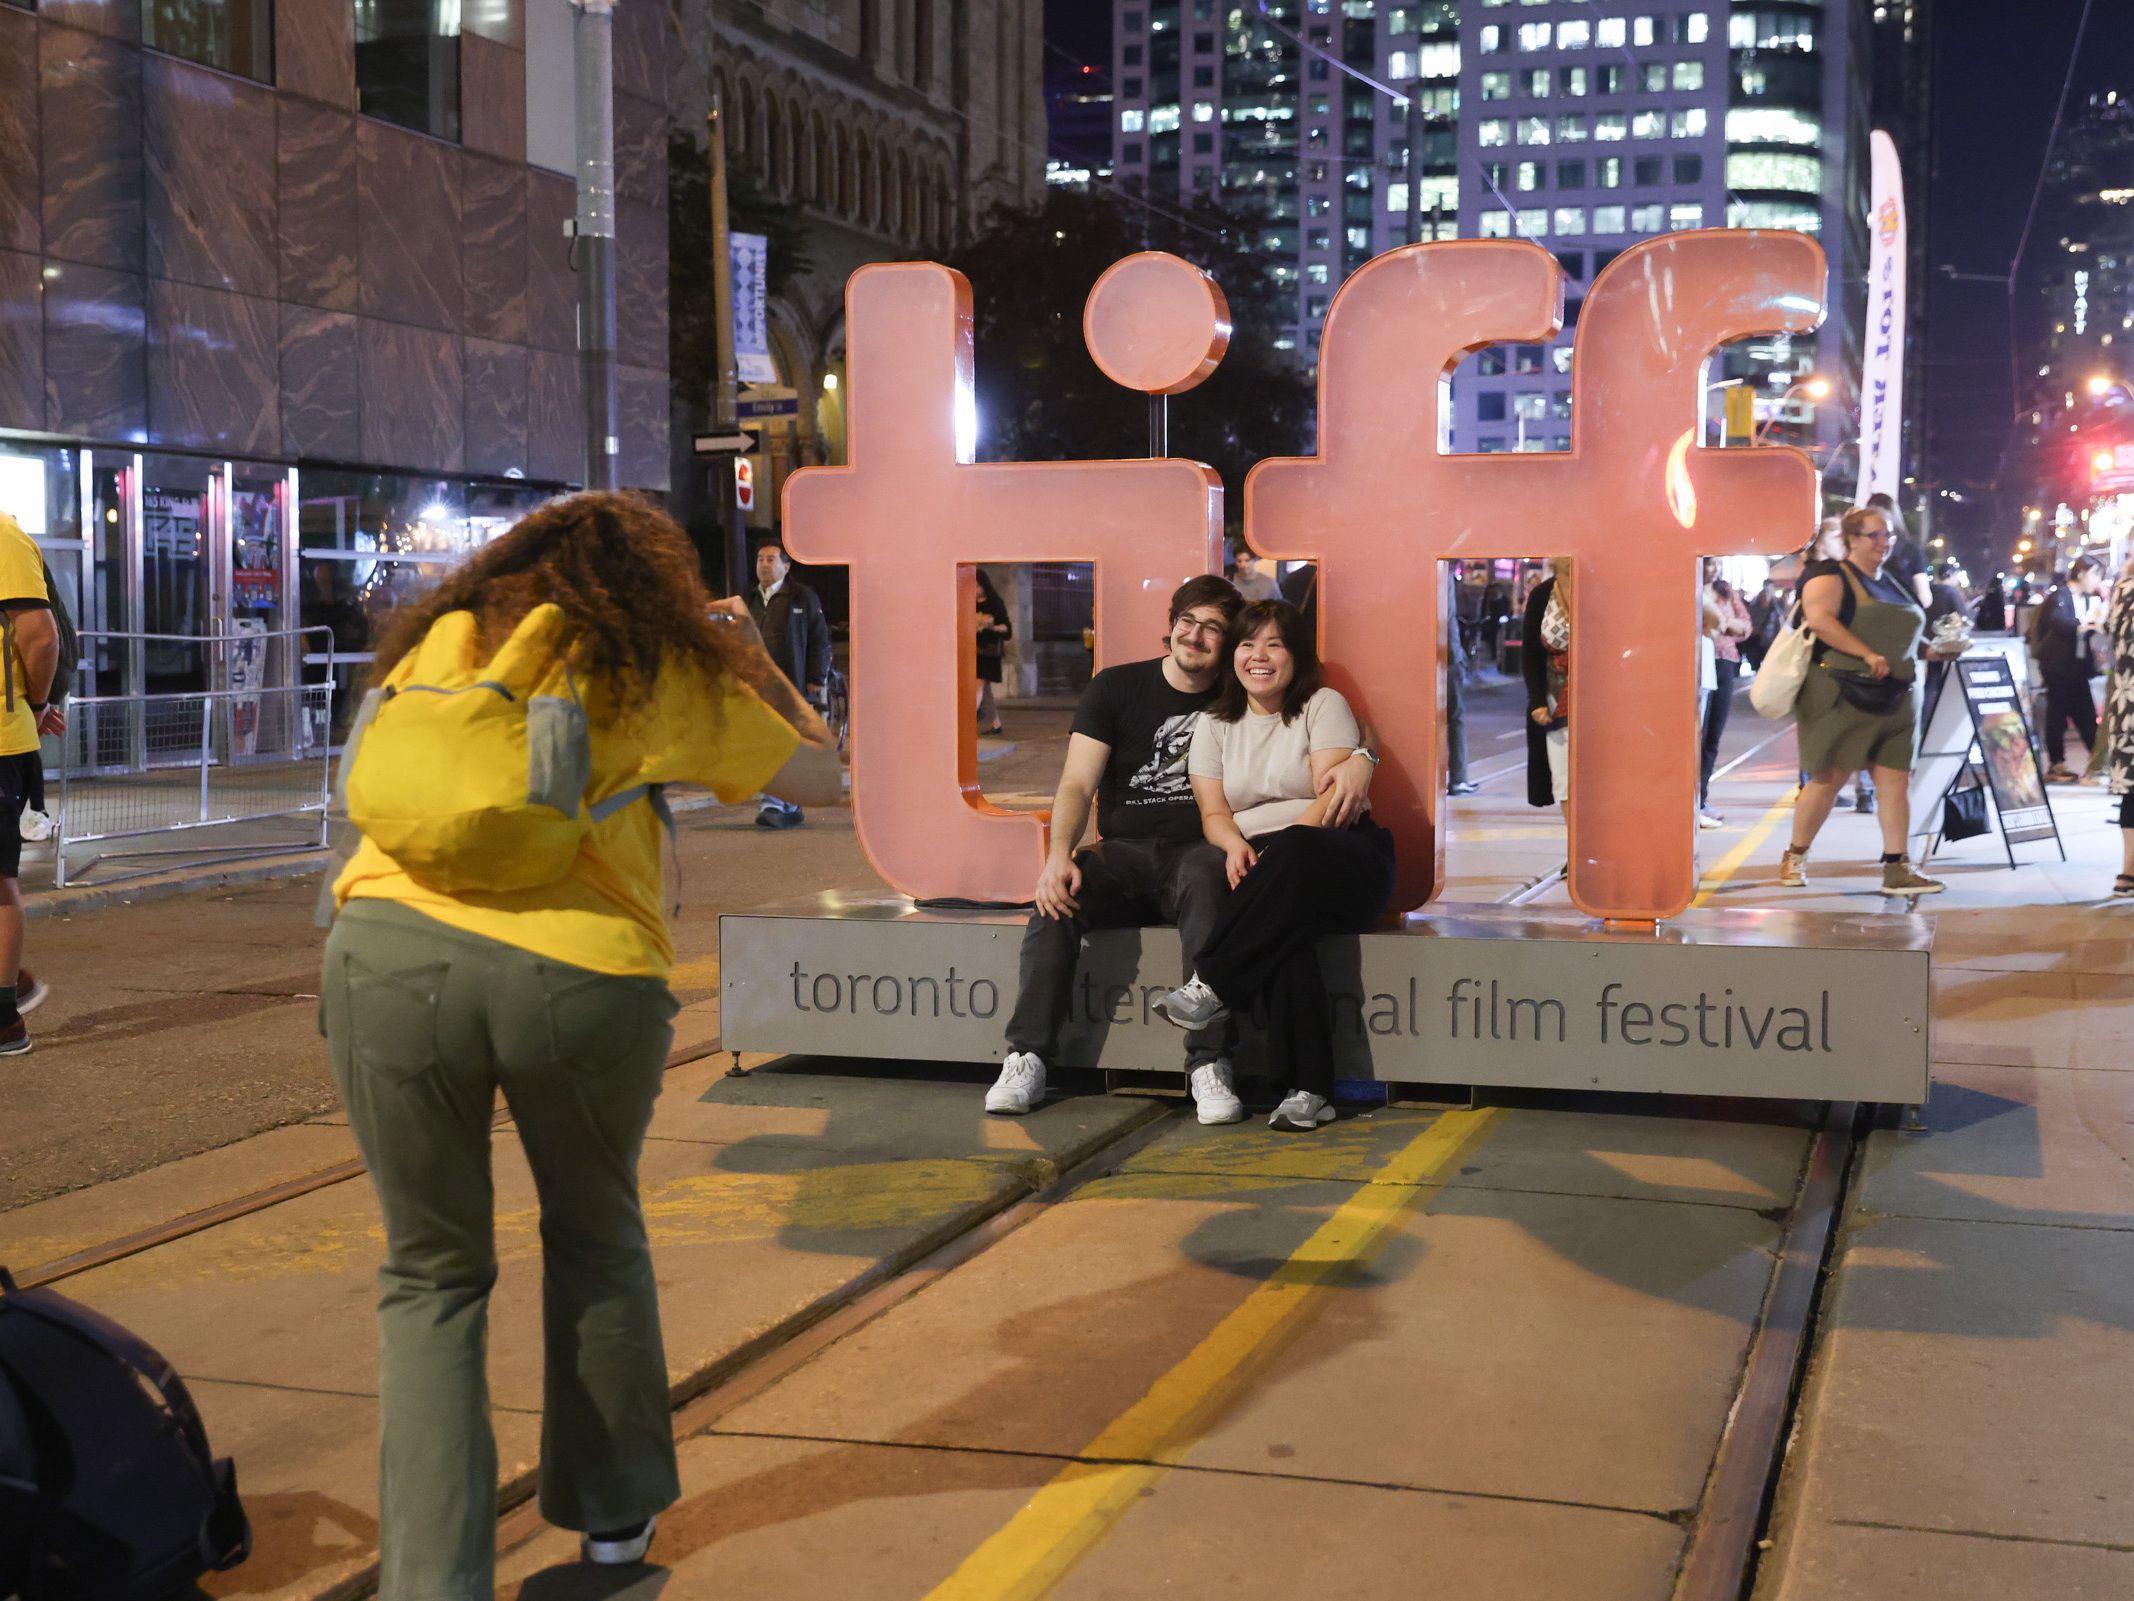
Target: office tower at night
(1581, 125)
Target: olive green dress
(1837, 734)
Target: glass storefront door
(181, 497)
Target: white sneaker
(1021, 1085)
(1301, 1112)
(1214, 1094)
(618, 1549)
(1192, 1006)
(1710, 820)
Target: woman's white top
(1265, 764)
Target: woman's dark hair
(2083, 567)
(1229, 702)
(1723, 589)
(624, 574)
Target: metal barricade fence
(249, 760)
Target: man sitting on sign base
(1127, 752)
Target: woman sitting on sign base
(1261, 762)
(1859, 706)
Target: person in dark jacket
(994, 632)
(1544, 660)
(1992, 617)
(2057, 639)
(789, 616)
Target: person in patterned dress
(2119, 719)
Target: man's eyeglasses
(1196, 626)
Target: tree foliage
(1041, 397)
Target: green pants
(426, 1024)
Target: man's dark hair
(1206, 590)
(1229, 702)
(2083, 567)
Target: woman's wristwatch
(1366, 753)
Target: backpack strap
(346, 836)
(655, 796)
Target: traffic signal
(744, 483)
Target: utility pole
(594, 37)
(1415, 164)
(725, 382)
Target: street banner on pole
(750, 254)
(1882, 373)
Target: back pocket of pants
(392, 1017)
(597, 1021)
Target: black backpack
(70, 643)
(107, 1490)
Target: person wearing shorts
(29, 659)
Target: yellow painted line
(1059, 1525)
(1751, 842)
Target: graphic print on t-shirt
(1163, 776)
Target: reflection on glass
(371, 542)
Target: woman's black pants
(1264, 952)
(2068, 700)
(1717, 706)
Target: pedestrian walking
(2060, 634)
(456, 969)
(1992, 614)
(1767, 617)
(35, 688)
(1456, 668)
(789, 616)
(1829, 546)
(1263, 759)
(1859, 707)
(994, 631)
(1545, 662)
(1256, 577)
(2119, 755)
(1729, 627)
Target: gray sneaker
(1192, 1006)
(1898, 878)
(1301, 1111)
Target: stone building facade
(895, 126)
(288, 324)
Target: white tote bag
(1778, 681)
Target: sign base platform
(1763, 1004)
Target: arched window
(822, 164)
(742, 137)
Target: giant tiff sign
(1634, 503)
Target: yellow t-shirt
(606, 914)
(21, 579)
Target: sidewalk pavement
(1497, 1348)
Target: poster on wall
(750, 255)
(2011, 759)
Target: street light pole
(1415, 163)
(594, 38)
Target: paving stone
(1974, 1377)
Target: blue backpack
(107, 1490)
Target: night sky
(1998, 69)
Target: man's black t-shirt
(1144, 793)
